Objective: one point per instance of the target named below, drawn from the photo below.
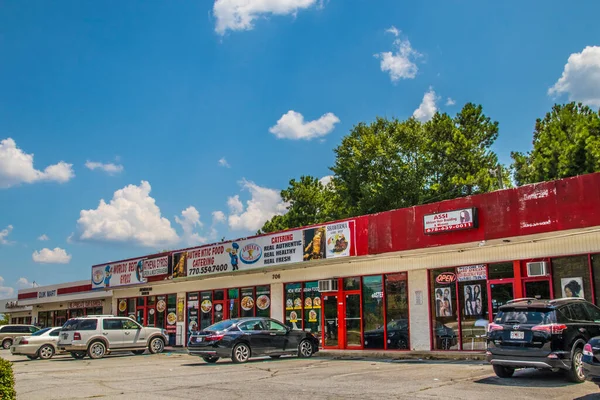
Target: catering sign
(448, 221)
(120, 273)
(155, 266)
(328, 241)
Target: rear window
(80, 325)
(527, 316)
(40, 332)
(220, 326)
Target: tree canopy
(565, 143)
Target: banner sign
(450, 221)
(155, 266)
(46, 293)
(121, 273)
(471, 273)
(85, 304)
(328, 241)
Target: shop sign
(121, 273)
(180, 307)
(85, 304)
(328, 241)
(46, 293)
(145, 291)
(465, 218)
(12, 304)
(155, 266)
(446, 278)
(471, 273)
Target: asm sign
(446, 278)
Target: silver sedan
(41, 344)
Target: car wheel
(402, 344)
(96, 350)
(157, 345)
(78, 355)
(6, 344)
(241, 353)
(275, 356)
(46, 352)
(210, 360)
(32, 357)
(305, 349)
(138, 352)
(503, 372)
(575, 374)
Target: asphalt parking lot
(180, 376)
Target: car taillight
(553, 329)
(24, 341)
(494, 327)
(213, 338)
(76, 336)
(587, 350)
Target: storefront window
(396, 304)
(44, 319)
(596, 271)
(293, 305)
(192, 312)
(263, 301)
(206, 307)
(474, 315)
(219, 295)
(234, 303)
(571, 277)
(247, 302)
(161, 307)
(312, 308)
(445, 317)
(93, 311)
(352, 283)
(501, 270)
(171, 318)
(141, 301)
(373, 312)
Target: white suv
(98, 335)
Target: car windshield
(40, 332)
(529, 316)
(220, 326)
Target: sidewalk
(382, 354)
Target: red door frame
(341, 315)
(339, 310)
(344, 310)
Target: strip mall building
(429, 277)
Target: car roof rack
(97, 315)
(521, 299)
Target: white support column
(419, 310)
(277, 297)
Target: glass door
(330, 321)
(353, 320)
(538, 288)
(500, 294)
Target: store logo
(446, 278)
(251, 253)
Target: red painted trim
(29, 295)
(74, 289)
(592, 279)
(430, 310)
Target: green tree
(309, 202)
(565, 143)
(4, 319)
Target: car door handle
(105, 333)
(127, 333)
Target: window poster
(263, 301)
(192, 314)
(293, 305)
(473, 302)
(572, 287)
(247, 302)
(443, 302)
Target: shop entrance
(330, 311)
(342, 320)
(541, 288)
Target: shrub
(7, 381)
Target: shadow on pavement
(529, 378)
(593, 396)
(227, 361)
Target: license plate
(517, 335)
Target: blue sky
(215, 107)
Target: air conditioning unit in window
(328, 285)
(536, 268)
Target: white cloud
(581, 77)
(4, 234)
(235, 205)
(5, 291)
(131, 216)
(109, 168)
(239, 15)
(218, 216)
(44, 237)
(292, 126)
(70, 238)
(189, 221)
(16, 167)
(223, 163)
(47, 256)
(427, 108)
(264, 203)
(450, 101)
(24, 283)
(400, 63)
(326, 180)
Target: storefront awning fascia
(67, 298)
